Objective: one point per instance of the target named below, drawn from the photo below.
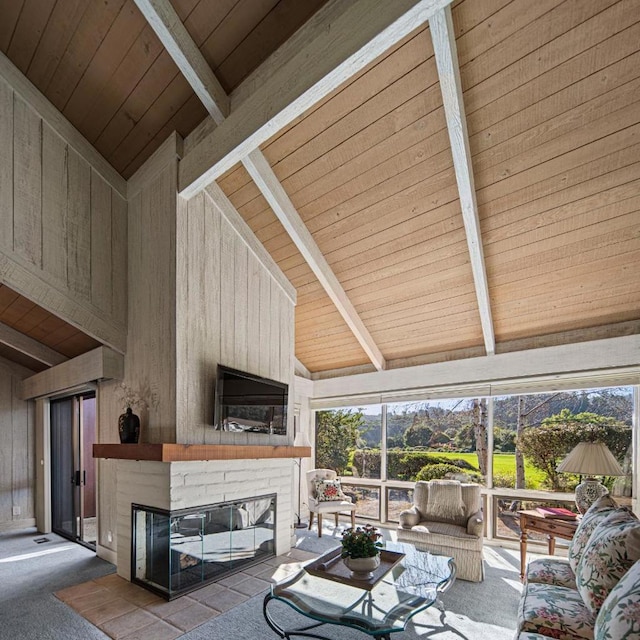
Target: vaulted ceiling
(550, 92)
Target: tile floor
(125, 611)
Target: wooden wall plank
(27, 183)
(6, 167)
(119, 258)
(227, 286)
(253, 311)
(275, 331)
(79, 226)
(54, 204)
(241, 304)
(101, 249)
(265, 324)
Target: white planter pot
(362, 568)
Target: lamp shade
(591, 459)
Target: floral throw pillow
(596, 513)
(613, 548)
(328, 490)
(619, 618)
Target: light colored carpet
(30, 573)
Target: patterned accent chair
(330, 501)
(446, 519)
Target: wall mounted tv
(249, 403)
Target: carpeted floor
(30, 573)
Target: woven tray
(330, 566)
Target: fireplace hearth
(174, 552)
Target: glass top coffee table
(412, 585)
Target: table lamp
(590, 459)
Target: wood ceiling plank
(7, 297)
(553, 127)
(28, 31)
(151, 86)
(551, 115)
(76, 345)
(231, 31)
(608, 124)
(593, 274)
(558, 23)
(60, 335)
(461, 330)
(574, 184)
(274, 29)
(124, 80)
(509, 21)
(10, 12)
(33, 318)
(427, 159)
(559, 78)
(490, 79)
(185, 118)
(542, 179)
(54, 41)
(593, 209)
(373, 85)
(576, 248)
(91, 30)
(14, 312)
(125, 30)
(469, 14)
(205, 17)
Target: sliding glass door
(73, 499)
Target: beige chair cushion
(444, 503)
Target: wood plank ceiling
(550, 90)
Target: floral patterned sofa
(595, 593)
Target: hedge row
(402, 465)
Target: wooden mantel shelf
(191, 452)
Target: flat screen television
(249, 403)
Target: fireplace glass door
(177, 551)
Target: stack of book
(556, 512)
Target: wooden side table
(553, 527)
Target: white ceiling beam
(354, 34)
(264, 177)
(612, 356)
(444, 45)
(164, 20)
(29, 347)
(301, 370)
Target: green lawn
(504, 464)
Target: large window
(437, 439)
(381, 450)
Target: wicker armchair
(459, 536)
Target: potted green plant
(361, 550)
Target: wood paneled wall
(230, 311)
(63, 227)
(17, 449)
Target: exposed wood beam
(164, 20)
(264, 177)
(30, 347)
(444, 45)
(352, 35)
